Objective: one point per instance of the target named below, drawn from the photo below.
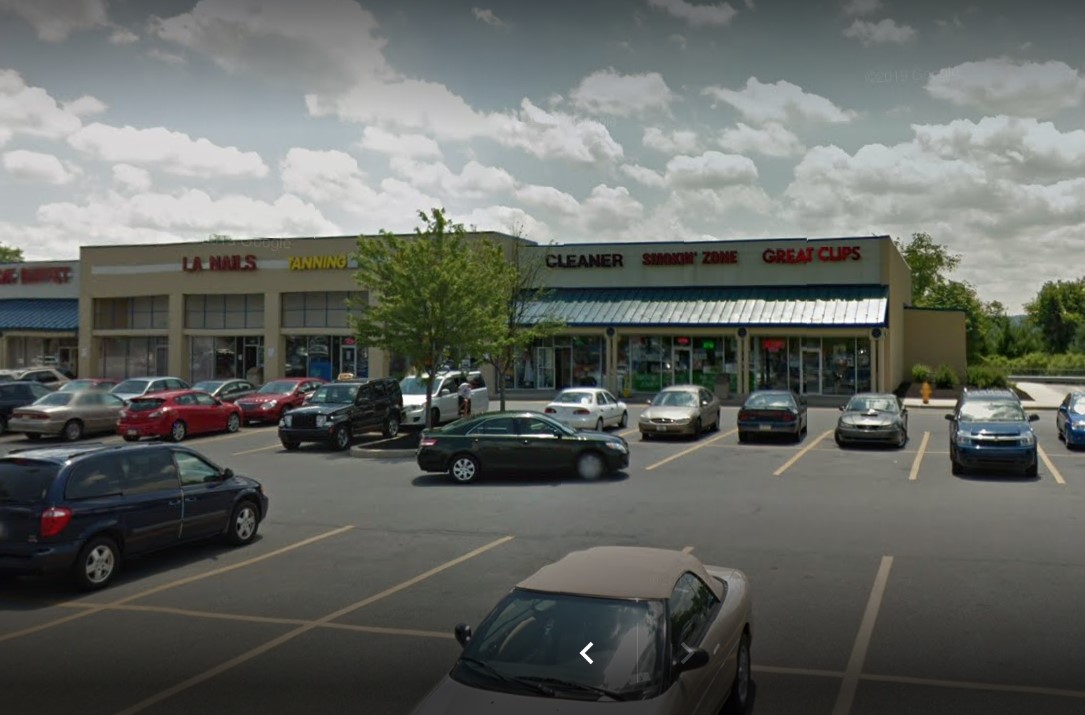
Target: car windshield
(131, 387)
(77, 385)
(145, 405)
(575, 398)
(865, 404)
(278, 387)
(1078, 405)
(208, 385)
(674, 398)
(769, 401)
(334, 395)
(413, 385)
(25, 481)
(55, 398)
(992, 411)
(534, 637)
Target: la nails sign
(195, 264)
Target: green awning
(861, 306)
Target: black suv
(18, 394)
(339, 411)
(83, 508)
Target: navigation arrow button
(584, 653)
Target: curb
(365, 453)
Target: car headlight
(847, 421)
(644, 418)
(286, 420)
(321, 420)
(1028, 439)
(683, 420)
(1078, 424)
(270, 404)
(963, 439)
(617, 447)
(414, 408)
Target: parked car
(444, 402)
(873, 417)
(70, 415)
(654, 628)
(1070, 420)
(588, 408)
(524, 442)
(226, 390)
(88, 383)
(139, 386)
(338, 412)
(82, 509)
(992, 433)
(48, 376)
(273, 399)
(176, 415)
(680, 409)
(772, 412)
(18, 394)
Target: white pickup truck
(444, 403)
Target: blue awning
(749, 306)
(46, 314)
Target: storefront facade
(39, 314)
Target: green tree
(10, 254)
(1010, 336)
(436, 295)
(520, 290)
(1058, 311)
(929, 264)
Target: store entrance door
(544, 368)
(563, 367)
(811, 371)
(348, 359)
(682, 365)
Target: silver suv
(445, 403)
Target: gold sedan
(68, 414)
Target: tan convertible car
(68, 414)
(611, 629)
(680, 409)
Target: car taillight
(156, 413)
(744, 416)
(789, 417)
(428, 442)
(581, 411)
(550, 411)
(53, 521)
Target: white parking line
(694, 448)
(258, 449)
(914, 475)
(1050, 466)
(846, 696)
(798, 455)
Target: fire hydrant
(926, 392)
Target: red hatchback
(177, 414)
(276, 397)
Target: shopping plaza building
(821, 316)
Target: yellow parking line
(798, 455)
(93, 608)
(687, 550)
(629, 432)
(1051, 466)
(258, 449)
(229, 435)
(694, 448)
(914, 474)
(301, 630)
(967, 685)
(846, 696)
(777, 670)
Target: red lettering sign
(824, 254)
(219, 263)
(29, 275)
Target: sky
(147, 121)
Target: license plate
(765, 428)
(661, 428)
(133, 432)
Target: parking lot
(882, 583)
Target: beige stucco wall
(933, 338)
(896, 338)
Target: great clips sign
(811, 254)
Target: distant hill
(1016, 320)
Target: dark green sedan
(521, 442)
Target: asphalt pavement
(882, 583)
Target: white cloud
(35, 166)
(679, 40)
(1002, 85)
(679, 141)
(609, 208)
(170, 58)
(506, 219)
(408, 145)
(715, 15)
(123, 36)
(771, 140)
(608, 92)
(883, 32)
(547, 198)
(85, 105)
(644, 175)
(780, 101)
(710, 170)
(487, 15)
(54, 20)
(862, 7)
(131, 178)
(556, 135)
(32, 111)
(170, 151)
(474, 181)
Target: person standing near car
(464, 394)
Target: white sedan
(588, 408)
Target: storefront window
(223, 358)
(770, 363)
(142, 313)
(25, 352)
(812, 366)
(589, 361)
(862, 361)
(121, 358)
(839, 366)
(219, 311)
(318, 309)
(325, 356)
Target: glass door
(348, 359)
(811, 370)
(544, 368)
(682, 364)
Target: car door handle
(173, 502)
(191, 499)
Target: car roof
(617, 572)
(583, 389)
(63, 453)
(167, 394)
(886, 395)
(989, 394)
(681, 388)
(772, 392)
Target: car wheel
(698, 428)
(32, 436)
(644, 436)
(342, 437)
(1033, 471)
(463, 469)
(243, 524)
(290, 445)
(3, 425)
(903, 439)
(743, 437)
(97, 564)
(716, 423)
(599, 426)
(391, 426)
(956, 467)
(178, 430)
(435, 417)
(590, 466)
(233, 423)
(73, 431)
(839, 441)
(742, 687)
(625, 420)
(131, 438)
(798, 435)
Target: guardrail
(1073, 379)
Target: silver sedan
(680, 409)
(873, 417)
(588, 408)
(68, 414)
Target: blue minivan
(82, 508)
(989, 429)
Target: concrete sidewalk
(1044, 397)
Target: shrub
(987, 376)
(945, 378)
(921, 373)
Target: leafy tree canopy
(10, 254)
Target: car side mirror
(463, 634)
(227, 474)
(841, 408)
(1034, 418)
(693, 659)
(949, 417)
